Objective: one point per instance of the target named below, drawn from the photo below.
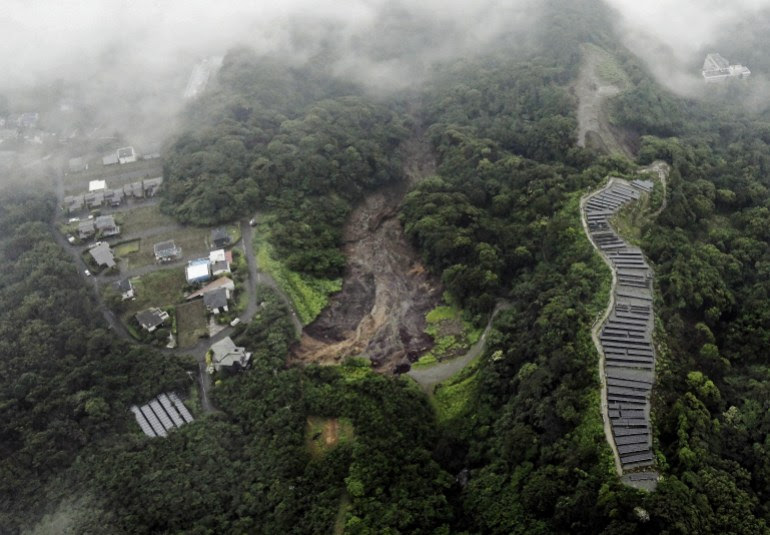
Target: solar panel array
(161, 415)
(626, 335)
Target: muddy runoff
(386, 292)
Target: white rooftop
(96, 185)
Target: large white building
(717, 69)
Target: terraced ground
(624, 336)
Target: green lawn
(141, 219)
(126, 248)
(309, 295)
(191, 322)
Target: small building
(222, 282)
(718, 69)
(150, 186)
(220, 262)
(197, 271)
(216, 301)
(226, 355)
(110, 159)
(220, 238)
(125, 288)
(134, 189)
(86, 229)
(97, 185)
(151, 318)
(94, 199)
(102, 255)
(77, 165)
(73, 203)
(126, 155)
(106, 226)
(113, 197)
(166, 251)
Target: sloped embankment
(623, 337)
(386, 292)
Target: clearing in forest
(323, 434)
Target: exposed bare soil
(594, 127)
(386, 292)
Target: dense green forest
(525, 453)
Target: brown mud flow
(386, 293)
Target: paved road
(430, 376)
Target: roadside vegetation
(308, 294)
(452, 335)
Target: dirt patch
(592, 90)
(323, 434)
(386, 293)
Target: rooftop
(215, 299)
(102, 254)
(97, 185)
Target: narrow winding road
(431, 376)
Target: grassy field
(126, 248)
(452, 335)
(323, 434)
(309, 295)
(191, 322)
(141, 219)
(192, 241)
(158, 289)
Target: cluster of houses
(103, 226)
(99, 195)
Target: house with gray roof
(86, 229)
(166, 251)
(225, 355)
(151, 318)
(106, 226)
(102, 255)
(216, 301)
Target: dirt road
(386, 292)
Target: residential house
(106, 226)
(151, 186)
(114, 197)
(126, 155)
(73, 203)
(125, 288)
(222, 282)
(134, 189)
(110, 159)
(220, 261)
(226, 355)
(94, 199)
(220, 238)
(197, 271)
(102, 255)
(166, 251)
(86, 229)
(151, 318)
(216, 301)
